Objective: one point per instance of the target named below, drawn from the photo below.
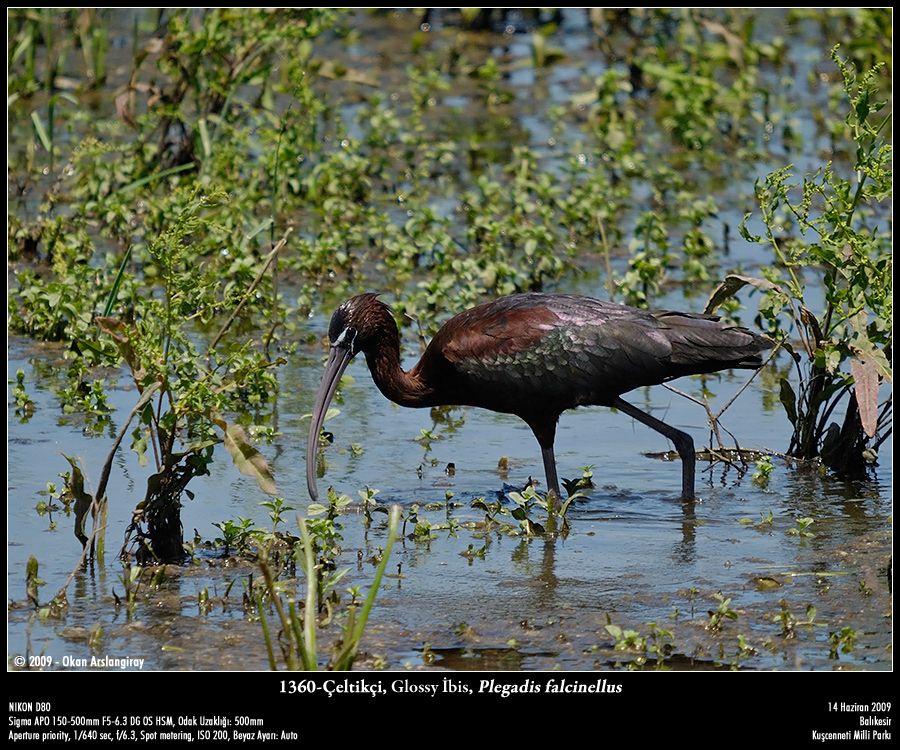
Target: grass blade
(309, 618)
(41, 132)
(155, 176)
(268, 637)
(298, 638)
(204, 138)
(373, 591)
(345, 659)
(114, 292)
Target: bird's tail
(703, 343)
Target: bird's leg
(544, 429)
(552, 479)
(683, 442)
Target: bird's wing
(495, 330)
(706, 340)
(577, 350)
(569, 350)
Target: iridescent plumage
(536, 355)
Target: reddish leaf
(865, 383)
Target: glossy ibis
(535, 355)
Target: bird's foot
(554, 501)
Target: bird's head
(356, 326)
(359, 323)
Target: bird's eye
(347, 339)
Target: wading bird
(535, 355)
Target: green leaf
(155, 176)
(114, 292)
(32, 582)
(41, 132)
(517, 498)
(83, 501)
(139, 445)
(121, 335)
(261, 227)
(788, 400)
(745, 233)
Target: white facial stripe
(350, 333)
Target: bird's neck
(401, 387)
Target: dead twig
(259, 277)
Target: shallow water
(634, 555)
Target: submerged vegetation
(188, 187)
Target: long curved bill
(337, 362)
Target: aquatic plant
(844, 349)
(298, 636)
(24, 404)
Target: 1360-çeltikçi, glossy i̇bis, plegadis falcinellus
(536, 355)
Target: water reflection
(685, 552)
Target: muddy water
(634, 557)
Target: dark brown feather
(536, 355)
